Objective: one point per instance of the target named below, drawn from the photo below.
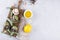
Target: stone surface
(45, 20)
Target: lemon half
(28, 14)
(27, 28)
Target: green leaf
(9, 31)
(16, 17)
(12, 33)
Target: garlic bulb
(15, 11)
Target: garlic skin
(15, 11)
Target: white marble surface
(45, 20)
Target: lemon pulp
(28, 14)
(27, 28)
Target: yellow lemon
(27, 28)
(28, 14)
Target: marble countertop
(45, 20)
